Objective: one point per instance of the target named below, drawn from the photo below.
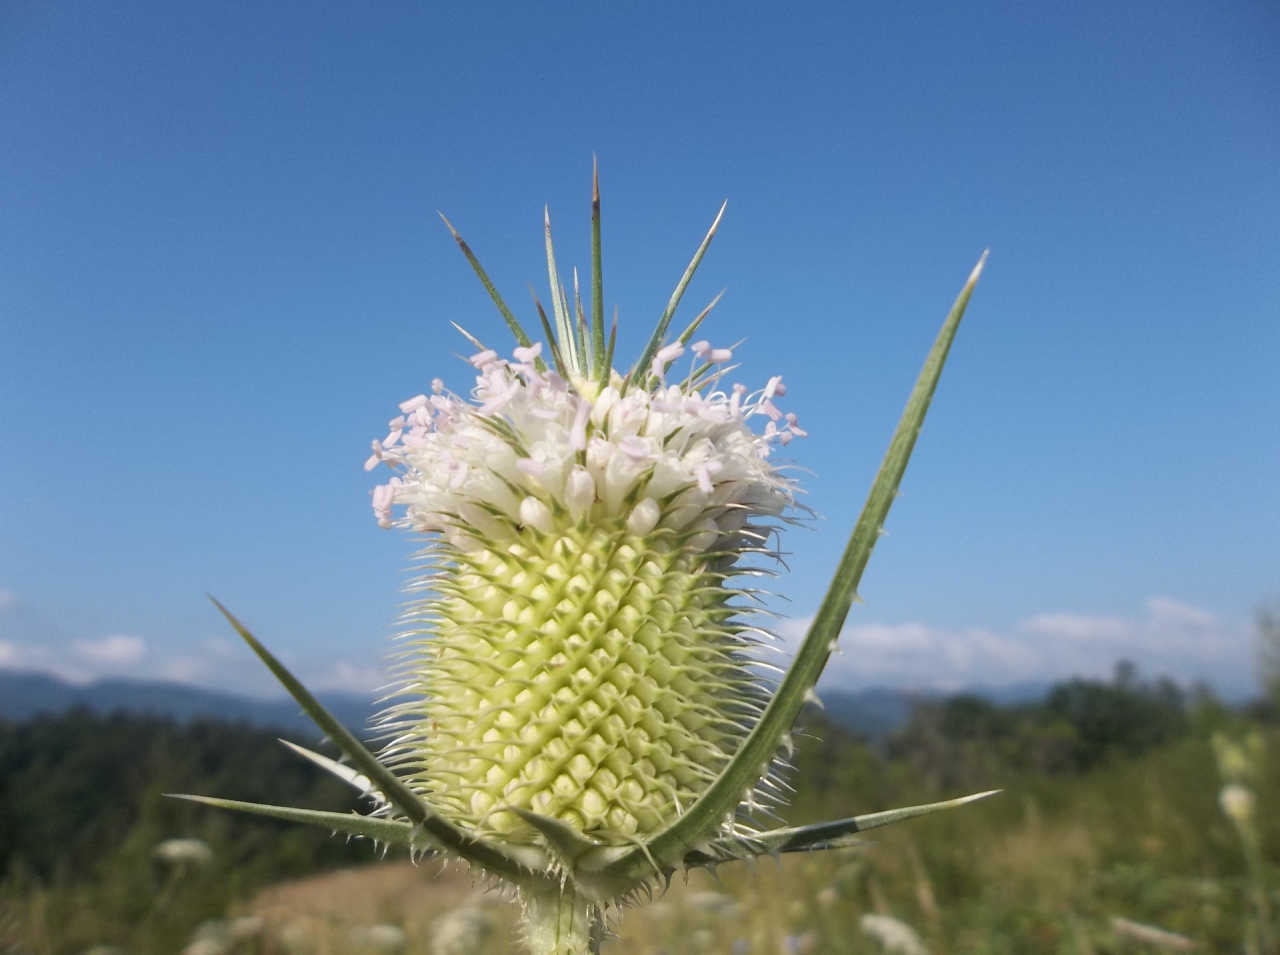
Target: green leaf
(752, 759)
(641, 368)
(510, 319)
(352, 824)
(391, 786)
(602, 368)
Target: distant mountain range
(25, 694)
(873, 713)
(879, 710)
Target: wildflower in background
(1238, 804)
(1152, 935)
(181, 858)
(460, 931)
(893, 935)
(1239, 763)
(582, 705)
(183, 852)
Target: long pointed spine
(352, 824)
(602, 367)
(582, 336)
(693, 325)
(655, 342)
(515, 326)
(556, 356)
(608, 355)
(564, 326)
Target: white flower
(1237, 803)
(528, 445)
(893, 935)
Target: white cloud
(1168, 638)
(349, 678)
(117, 648)
(33, 640)
(182, 670)
(1080, 628)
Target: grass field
(1086, 845)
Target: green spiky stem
(561, 923)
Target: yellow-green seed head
(574, 649)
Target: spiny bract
(581, 707)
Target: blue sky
(221, 267)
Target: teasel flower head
(578, 649)
(583, 706)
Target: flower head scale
(582, 708)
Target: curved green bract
(753, 757)
(348, 775)
(390, 831)
(388, 783)
(824, 835)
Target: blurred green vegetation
(82, 810)
(1110, 810)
